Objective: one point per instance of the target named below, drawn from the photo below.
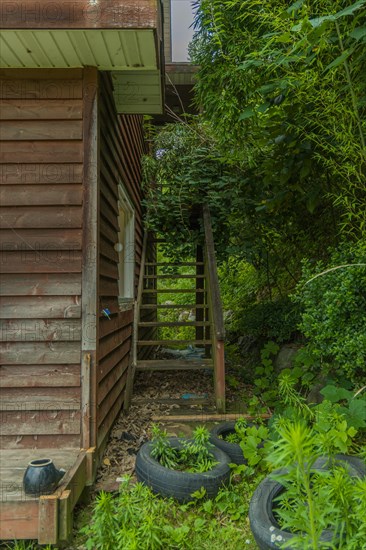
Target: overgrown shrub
(333, 301)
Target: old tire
(180, 485)
(232, 449)
(265, 528)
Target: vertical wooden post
(65, 515)
(216, 316)
(48, 519)
(90, 272)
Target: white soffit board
(137, 92)
(105, 49)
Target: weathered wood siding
(121, 147)
(41, 195)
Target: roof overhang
(122, 36)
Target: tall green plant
(283, 87)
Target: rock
(285, 356)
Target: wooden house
(75, 79)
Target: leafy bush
(140, 520)
(333, 301)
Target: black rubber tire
(266, 530)
(180, 485)
(232, 449)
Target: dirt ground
(159, 394)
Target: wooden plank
(51, 173)
(106, 248)
(19, 520)
(174, 277)
(107, 423)
(33, 423)
(41, 399)
(39, 376)
(172, 342)
(47, 217)
(34, 307)
(112, 379)
(117, 391)
(34, 87)
(107, 231)
(36, 441)
(172, 290)
(41, 109)
(75, 479)
(108, 287)
(173, 324)
(41, 261)
(41, 151)
(33, 353)
(65, 516)
(34, 284)
(40, 195)
(114, 340)
(109, 14)
(90, 273)
(173, 364)
(203, 417)
(14, 465)
(38, 330)
(39, 239)
(40, 130)
(115, 323)
(107, 364)
(107, 268)
(174, 306)
(48, 519)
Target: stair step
(173, 264)
(172, 290)
(174, 324)
(173, 306)
(174, 364)
(173, 342)
(181, 402)
(190, 276)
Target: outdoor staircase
(193, 305)
(196, 315)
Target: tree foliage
(283, 87)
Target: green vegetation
(316, 499)
(136, 519)
(194, 456)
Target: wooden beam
(204, 417)
(19, 520)
(65, 516)
(48, 519)
(90, 268)
(82, 14)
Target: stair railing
(137, 306)
(216, 319)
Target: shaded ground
(157, 394)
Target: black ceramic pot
(41, 477)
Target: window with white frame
(126, 246)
